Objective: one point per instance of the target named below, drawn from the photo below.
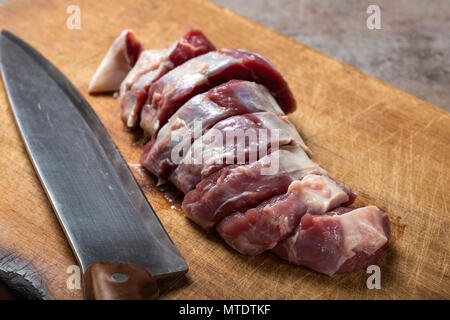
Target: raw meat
(197, 75)
(236, 140)
(236, 188)
(119, 60)
(258, 229)
(342, 241)
(232, 98)
(272, 199)
(152, 64)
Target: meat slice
(202, 112)
(236, 188)
(119, 60)
(258, 229)
(198, 75)
(236, 140)
(346, 240)
(152, 64)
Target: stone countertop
(411, 51)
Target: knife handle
(118, 281)
(5, 293)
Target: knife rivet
(119, 277)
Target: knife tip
(8, 34)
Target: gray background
(411, 51)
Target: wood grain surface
(389, 147)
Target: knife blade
(115, 235)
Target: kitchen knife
(116, 236)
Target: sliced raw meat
(119, 60)
(236, 140)
(204, 110)
(343, 241)
(197, 75)
(152, 64)
(236, 188)
(258, 229)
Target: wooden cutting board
(389, 147)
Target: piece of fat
(319, 193)
(119, 60)
(362, 230)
